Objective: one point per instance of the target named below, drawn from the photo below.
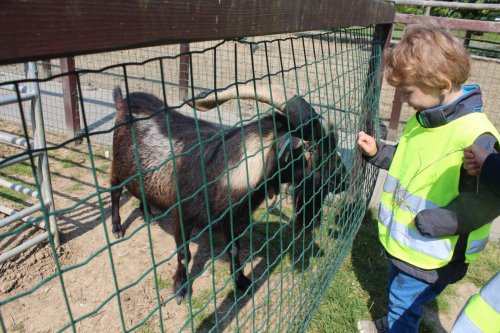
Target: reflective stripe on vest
(491, 293)
(424, 174)
(481, 313)
(412, 203)
(434, 247)
(465, 325)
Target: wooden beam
(43, 29)
(471, 25)
(397, 105)
(70, 93)
(184, 68)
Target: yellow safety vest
(425, 174)
(481, 314)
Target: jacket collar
(469, 102)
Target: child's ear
(447, 89)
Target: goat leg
(115, 212)
(145, 207)
(242, 282)
(181, 287)
(308, 207)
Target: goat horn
(265, 94)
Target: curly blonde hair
(427, 55)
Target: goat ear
(301, 114)
(296, 143)
(286, 144)
(118, 97)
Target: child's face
(421, 97)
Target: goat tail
(265, 94)
(117, 95)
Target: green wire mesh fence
(94, 282)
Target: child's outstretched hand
(474, 157)
(367, 144)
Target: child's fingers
(471, 166)
(468, 153)
(474, 171)
(367, 144)
(364, 138)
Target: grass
(148, 327)
(19, 328)
(164, 283)
(75, 188)
(22, 169)
(358, 290)
(202, 306)
(16, 174)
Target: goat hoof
(181, 294)
(118, 233)
(243, 283)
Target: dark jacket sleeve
(477, 204)
(464, 214)
(384, 156)
(490, 174)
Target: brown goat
(207, 173)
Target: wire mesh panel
(232, 219)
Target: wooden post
(47, 68)
(70, 94)
(427, 10)
(381, 40)
(382, 36)
(397, 104)
(184, 71)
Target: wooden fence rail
(46, 29)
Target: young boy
(433, 218)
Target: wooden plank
(42, 29)
(445, 4)
(397, 105)
(471, 25)
(184, 67)
(70, 93)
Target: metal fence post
(43, 160)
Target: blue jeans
(407, 295)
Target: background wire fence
(94, 283)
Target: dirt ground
(443, 320)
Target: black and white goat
(240, 165)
